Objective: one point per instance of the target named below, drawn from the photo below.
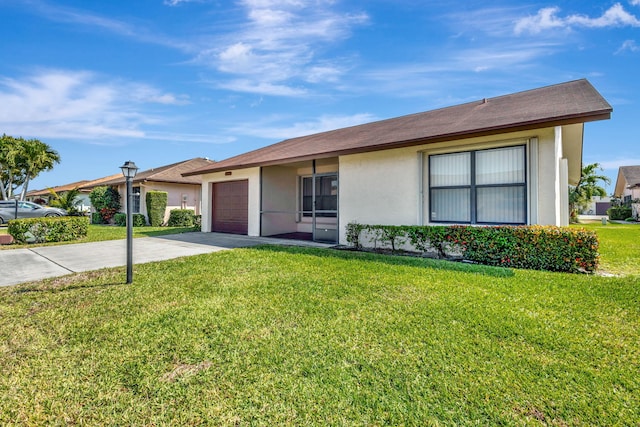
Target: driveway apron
(37, 263)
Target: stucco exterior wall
(175, 193)
(391, 186)
(174, 196)
(250, 174)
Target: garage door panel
(230, 207)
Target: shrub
(120, 219)
(156, 207)
(533, 247)
(96, 218)
(181, 218)
(197, 221)
(139, 220)
(106, 202)
(619, 212)
(49, 229)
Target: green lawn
(619, 247)
(286, 336)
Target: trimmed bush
(532, 247)
(619, 212)
(96, 218)
(156, 207)
(139, 220)
(120, 219)
(49, 229)
(181, 218)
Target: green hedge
(181, 218)
(51, 229)
(156, 207)
(120, 219)
(619, 212)
(533, 247)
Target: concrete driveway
(37, 263)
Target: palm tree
(67, 201)
(36, 157)
(586, 188)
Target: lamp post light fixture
(129, 170)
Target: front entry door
(325, 207)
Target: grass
(98, 233)
(291, 336)
(619, 246)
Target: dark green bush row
(182, 218)
(532, 247)
(156, 207)
(53, 229)
(619, 212)
(120, 219)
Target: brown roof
(96, 182)
(172, 173)
(57, 189)
(566, 103)
(627, 176)
(81, 185)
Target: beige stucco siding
(380, 187)
(391, 186)
(250, 174)
(175, 193)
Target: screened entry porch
(300, 201)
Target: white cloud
(547, 19)
(614, 164)
(177, 2)
(277, 48)
(634, 2)
(79, 105)
(629, 45)
(322, 124)
(262, 88)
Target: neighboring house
(628, 187)
(503, 160)
(85, 187)
(45, 194)
(597, 206)
(183, 192)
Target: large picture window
(479, 187)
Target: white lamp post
(129, 170)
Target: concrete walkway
(37, 263)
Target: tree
(67, 201)
(37, 157)
(587, 187)
(9, 172)
(106, 201)
(21, 160)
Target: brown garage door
(230, 207)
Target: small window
(135, 199)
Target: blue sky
(159, 81)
